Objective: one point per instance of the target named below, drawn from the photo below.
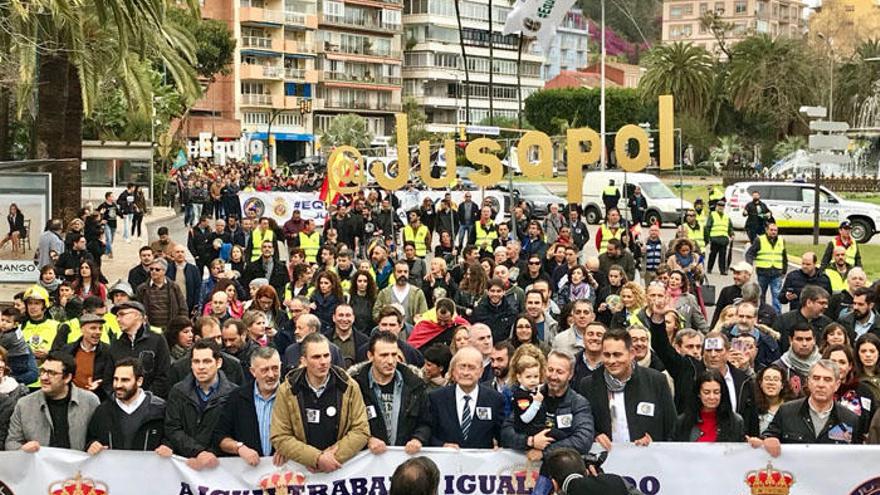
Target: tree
(683, 70)
(347, 129)
(721, 30)
(579, 107)
(772, 78)
(636, 20)
(849, 24)
(788, 146)
(729, 149)
(415, 122)
(215, 43)
(856, 84)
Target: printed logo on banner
(281, 481)
(870, 487)
(255, 206)
(769, 481)
(78, 486)
(5, 490)
(279, 207)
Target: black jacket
(726, 297)
(278, 278)
(580, 430)
(104, 426)
(413, 404)
(189, 428)
(199, 244)
(796, 280)
(182, 369)
(137, 276)
(787, 321)
(649, 406)
(499, 318)
(238, 420)
(100, 371)
(442, 419)
(792, 424)
(849, 322)
(151, 349)
(687, 430)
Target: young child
(19, 360)
(528, 415)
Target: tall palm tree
(66, 48)
(347, 129)
(773, 77)
(729, 147)
(683, 70)
(855, 81)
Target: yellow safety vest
(851, 251)
(257, 241)
(838, 281)
(111, 330)
(720, 225)
(696, 235)
(716, 194)
(311, 244)
(39, 337)
(769, 256)
(485, 237)
(607, 235)
(418, 237)
(609, 191)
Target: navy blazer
(238, 420)
(443, 419)
(193, 282)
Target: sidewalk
(125, 255)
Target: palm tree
(347, 129)
(855, 82)
(788, 146)
(773, 78)
(683, 70)
(66, 49)
(728, 148)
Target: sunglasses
(534, 262)
(157, 269)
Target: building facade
(569, 48)
(681, 19)
(433, 72)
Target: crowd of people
(311, 344)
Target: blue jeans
(126, 232)
(188, 215)
(108, 238)
(775, 285)
(464, 233)
(197, 212)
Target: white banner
(537, 19)
(661, 469)
(280, 205)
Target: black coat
(238, 420)
(849, 322)
(151, 350)
(278, 279)
(787, 321)
(687, 430)
(105, 429)
(796, 280)
(792, 424)
(137, 276)
(499, 318)
(189, 428)
(182, 369)
(649, 406)
(726, 297)
(413, 405)
(199, 244)
(100, 370)
(442, 419)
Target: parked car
(538, 196)
(664, 206)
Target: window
(740, 7)
(681, 31)
(719, 8)
(785, 193)
(704, 7)
(336, 9)
(675, 12)
(98, 173)
(809, 196)
(135, 172)
(391, 17)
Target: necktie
(466, 417)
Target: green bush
(579, 107)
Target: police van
(664, 206)
(792, 206)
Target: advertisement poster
(30, 194)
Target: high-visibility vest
(311, 244)
(418, 237)
(696, 235)
(257, 239)
(851, 251)
(110, 330)
(607, 235)
(720, 225)
(716, 194)
(39, 337)
(609, 191)
(485, 237)
(838, 281)
(769, 256)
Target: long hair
(372, 289)
(785, 393)
(475, 282)
(335, 287)
(724, 413)
(868, 338)
(534, 326)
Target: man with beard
(501, 354)
(796, 280)
(243, 429)
(801, 355)
(862, 319)
(133, 420)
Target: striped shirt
(264, 418)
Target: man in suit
(464, 415)
(269, 267)
(243, 429)
(481, 339)
(630, 403)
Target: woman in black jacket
(709, 417)
(362, 298)
(17, 231)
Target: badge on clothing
(564, 421)
(484, 414)
(371, 412)
(645, 409)
(841, 433)
(313, 415)
(331, 411)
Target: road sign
(829, 158)
(828, 142)
(825, 126)
(488, 130)
(814, 112)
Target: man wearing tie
(464, 415)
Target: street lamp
(829, 41)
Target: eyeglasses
(51, 373)
(534, 262)
(157, 269)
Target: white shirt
(619, 427)
(400, 294)
(459, 401)
(731, 388)
(132, 407)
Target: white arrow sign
(828, 142)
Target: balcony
(257, 100)
(366, 51)
(293, 73)
(262, 43)
(365, 79)
(294, 19)
(261, 16)
(256, 71)
(294, 46)
(372, 23)
(346, 104)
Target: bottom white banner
(674, 469)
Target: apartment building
(433, 72)
(568, 51)
(681, 19)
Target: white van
(792, 206)
(664, 206)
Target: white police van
(792, 206)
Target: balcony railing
(327, 47)
(255, 14)
(251, 71)
(256, 42)
(294, 73)
(256, 99)
(366, 79)
(363, 22)
(340, 104)
(294, 19)
(292, 46)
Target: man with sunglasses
(162, 299)
(57, 415)
(141, 342)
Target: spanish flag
(265, 169)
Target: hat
(129, 305)
(121, 286)
(38, 293)
(87, 318)
(845, 225)
(741, 266)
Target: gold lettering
(474, 153)
(667, 132)
(448, 177)
(345, 166)
(631, 163)
(380, 173)
(577, 158)
(543, 169)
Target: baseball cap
(845, 225)
(741, 266)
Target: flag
(537, 19)
(329, 193)
(265, 169)
(180, 161)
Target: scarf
(802, 366)
(51, 286)
(614, 385)
(580, 291)
(673, 294)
